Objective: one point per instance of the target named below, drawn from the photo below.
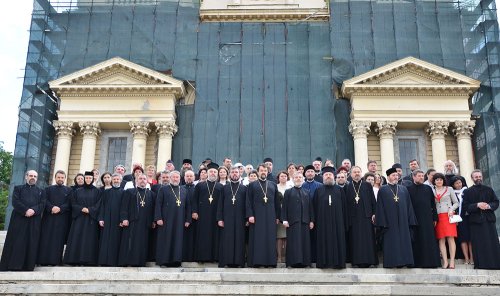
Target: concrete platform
(207, 279)
(249, 281)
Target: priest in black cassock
(136, 216)
(55, 222)
(331, 223)
(263, 211)
(204, 210)
(21, 244)
(190, 231)
(425, 246)
(109, 221)
(172, 215)
(361, 206)
(297, 215)
(480, 201)
(395, 216)
(231, 218)
(83, 240)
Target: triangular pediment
(113, 73)
(410, 73)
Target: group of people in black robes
(235, 225)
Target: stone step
(208, 280)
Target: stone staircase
(207, 279)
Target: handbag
(455, 219)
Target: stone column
(64, 132)
(386, 131)
(463, 131)
(140, 131)
(90, 130)
(360, 130)
(165, 130)
(438, 130)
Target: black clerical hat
(318, 158)
(329, 169)
(89, 173)
(212, 165)
(268, 159)
(390, 171)
(187, 160)
(308, 167)
(397, 166)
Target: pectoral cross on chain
(396, 198)
(143, 203)
(357, 199)
(210, 199)
(178, 202)
(265, 199)
(233, 199)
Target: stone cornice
(409, 90)
(464, 129)
(89, 128)
(359, 128)
(386, 128)
(116, 70)
(139, 128)
(118, 90)
(437, 128)
(166, 128)
(262, 15)
(63, 128)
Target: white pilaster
(360, 130)
(386, 131)
(166, 131)
(90, 131)
(437, 131)
(463, 131)
(64, 132)
(140, 131)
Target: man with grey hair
(451, 171)
(481, 202)
(109, 221)
(21, 244)
(172, 215)
(56, 221)
(136, 215)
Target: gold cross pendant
(329, 200)
(210, 199)
(233, 199)
(357, 199)
(178, 202)
(143, 203)
(265, 199)
(396, 198)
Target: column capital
(464, 129)
(63, 128)
(386, 128)
(437, 128)
(166, 128)
(139, 128)
(90, 128)
(359, 128)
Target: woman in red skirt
(446, 204)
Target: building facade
(257, 79)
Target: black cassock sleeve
(159, 204)
(249, 202)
